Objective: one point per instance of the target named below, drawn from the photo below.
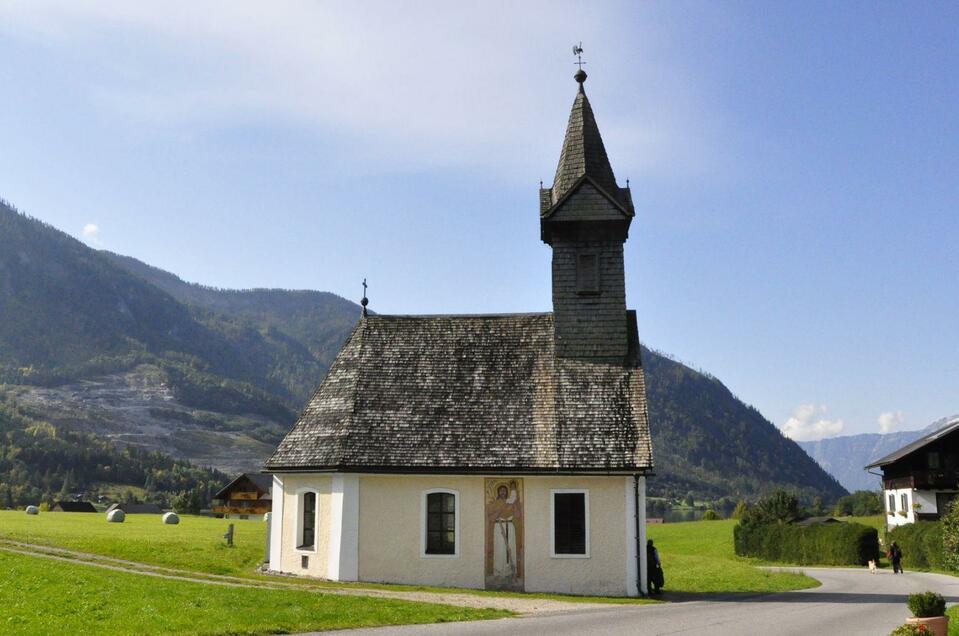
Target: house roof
(950, 427)
(470, 394)
(812, 521)
(136, 508)
(74, 506)
(583, 158)
(263, 482)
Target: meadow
(697, 556)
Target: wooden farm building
(248, 494)
(921, 479)
(73, 506)
(497, 451)
(137, 508)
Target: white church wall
(291, 560)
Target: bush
(780, 507)
(921, 544)
(950, 537)
(711, 515)
(822, 544)
(910, 629)
(927, 604)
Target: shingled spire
(585, 218)
(583, 150)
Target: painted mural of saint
(504, 514)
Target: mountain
(845, 456)
(111, 347)
(707, 441)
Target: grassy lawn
(195, 544)
(698, 557)
(41, 596)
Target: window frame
(891, 503)
(552, 522)
(904, 500)
(298, 543)
(424, 512)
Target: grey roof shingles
(470, 394)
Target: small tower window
(587, 274)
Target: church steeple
(585, 218)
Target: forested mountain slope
(107, 345)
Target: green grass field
(196, 543)
(41, 596)
(698, 558)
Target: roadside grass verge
(698, 558)
(39, 596)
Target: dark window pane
(569, 523)
(440, 523)
(309, 520)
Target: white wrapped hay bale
(33, 510)
(171, 518)
(116, 516)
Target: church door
(504, 534)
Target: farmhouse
(502, 451)
(73, 506)
(922, 478)
(248, 494)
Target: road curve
(849, 602)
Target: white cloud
(808, 423)
(889, 420)
(91, 234)
(399, 86)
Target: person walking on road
(895, 555)
(654, 569)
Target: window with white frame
(570, 523)
(892, 503)
(306, 520)
(904, 500)
(440, 523)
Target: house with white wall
(921, 479)
(495, 451)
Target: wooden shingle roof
(470, 394)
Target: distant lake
(675, 516)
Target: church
(493, 451)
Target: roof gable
(951, 427)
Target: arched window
(306, 520)
(440, 523)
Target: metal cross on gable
(578, 52)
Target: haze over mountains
(845, 456)
(106, 344)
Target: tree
(690, 501)
(740, 509)
(711, 515)
(780, 507)
(862, 503)
(67, 485)
(8, 498)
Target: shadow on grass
(798, 596)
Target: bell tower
(584, 218)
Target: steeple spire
(583, 150)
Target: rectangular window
(892, 503)
(308, 521)
(587, 274)
(570, 523)
(440, 523)
(932, 459)
(904, 500)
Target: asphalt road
(849, 602)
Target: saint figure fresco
(504, 534)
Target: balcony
(924, 480)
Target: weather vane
(578, 52)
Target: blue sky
(795, 168)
